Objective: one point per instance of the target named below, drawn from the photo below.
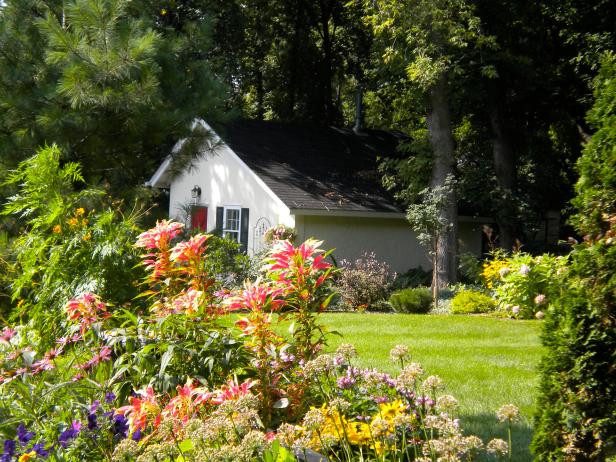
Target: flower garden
(166, 345)
(176, 382)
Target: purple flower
(94, 406)
(67, 435)
(345, 382)
(110, 398)
(9, 450)
(137, 435)
(40, 450)
(23, 435)
(120, 425)
(92, 422)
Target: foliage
(414, 277)
(575, 419)
(470, 301)
(412, 300)
(364, 282)
(280, 232)
(74, 240)
(226, 263)
(524, 285)
(431, 225)
(107, 82)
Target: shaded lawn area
(485, 362)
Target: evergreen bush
(472, 301)
(413, 300)
(576, 418)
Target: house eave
(347, 213)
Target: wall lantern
(195, 192)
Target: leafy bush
(414, 277)
(412, 300)
(364, 283)
(525, 285)
(575, 417)
(73, 241)
(471, 301)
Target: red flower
(141, 408)
(232, 391)
(86, 309)
(256, 296)
(186, 251)
(159, 236)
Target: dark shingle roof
(319, 168)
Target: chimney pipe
(359, 109)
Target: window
(231, 223)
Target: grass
(485, 362)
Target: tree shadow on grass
(487, 427)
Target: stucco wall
(392, 240)
(225, 181)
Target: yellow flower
(358, 433)
(389, 411)
(73, 221)
(57, 229)
(87, 237)
(79, 212)
(85, 222)
(492, 272)
(27, 456)
(163, 12)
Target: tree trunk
(441, 140)
(326, 14)
(504, 169)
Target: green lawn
(485, 362)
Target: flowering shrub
(280, 232)
(527, 284)
(76, 240)
(170, 381)
(365, 282)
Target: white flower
(524, 270)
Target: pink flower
(232, 391)
(524, 270)
(186, 403)
(86, 309)
(142, 407)
(287, 261)
(186, 251)
(540, 299)
(159, 236)
(256, 296)
(515, 309)
(7, 334)
(188, 302)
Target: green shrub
(575, 417)
(471, 301)
(414, 277)
(413, 300)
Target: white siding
(225, 180)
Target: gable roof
(316, 168)
(311, 168)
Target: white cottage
(321, 181)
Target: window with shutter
(231, 222)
